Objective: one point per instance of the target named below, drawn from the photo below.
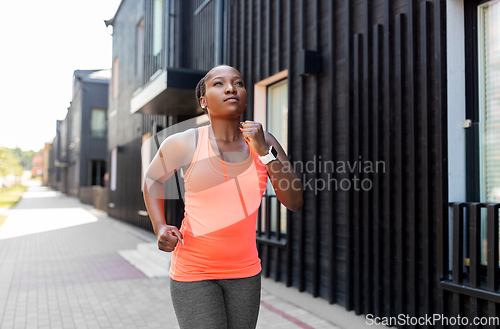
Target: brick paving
(60, 268)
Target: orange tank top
(221, 204)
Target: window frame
(105, 111)
(473, 146)
(261, 115)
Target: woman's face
(225, 93)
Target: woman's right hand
(168, 236)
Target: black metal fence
(469, 276)
(271, 240)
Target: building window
(115, 78)
(98, 172)
(271, 109)
(157, 33)
(277, 124)
(277, 112)
(489, 108)
(139, 53)
(98, 125)
(489, 100)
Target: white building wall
(455, 47)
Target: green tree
(25, 157)
(9, 163)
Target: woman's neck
(225, 130)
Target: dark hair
(201, 87)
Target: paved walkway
(60, 267)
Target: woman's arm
(171, 156)
(287, 185)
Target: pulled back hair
(200, 90)
(201, 87)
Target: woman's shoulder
(180, 139)
(180, 145)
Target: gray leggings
(217, 304)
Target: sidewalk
(63, 265)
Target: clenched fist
(168, 236)
(254, 136)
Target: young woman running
(215, 268)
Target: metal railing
(466, 238)
(268, 232)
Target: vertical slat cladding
(178, 33)
(387, 205)
(438, 231)
(188, 47)
(258, 64)
(300, 147)
(315, 114)
(471, 100)
(400, 151)
(289, 226)
(458, 232)
(234, 47)
(250, 51)
(348, 205)
(205, 48)
(229, 38)
(366, 154)
(146, 42)
(332, 251)
(492, 245)
(149, 44)
(378, 39)
(164, 52)
(277, 36)
(198, 47)
(441, 122)
(243, 28)
(410, 115)
(424, 200)
(355, 151)
(204, 35)
(268, 39)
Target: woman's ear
(203, 103)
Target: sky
(43, 42)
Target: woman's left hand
(254, 136)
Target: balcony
(169, 92)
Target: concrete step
(151, 251)
(149, 259)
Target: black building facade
(79, 148)
(364, 96)
(58, 166)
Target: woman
(215, 269)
